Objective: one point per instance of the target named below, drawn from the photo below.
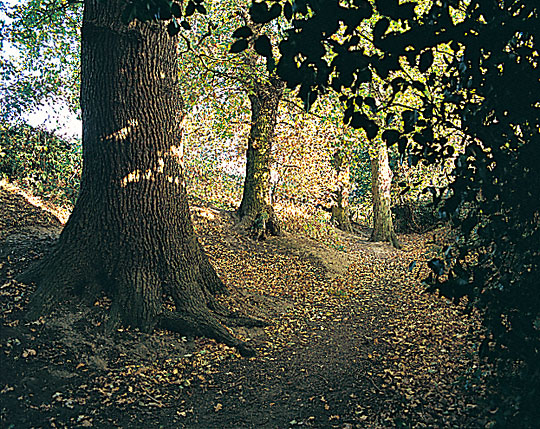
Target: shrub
(39, 160)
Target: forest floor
(353, 342)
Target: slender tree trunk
(130, 234)
(340, 208)
(256, 211)
(381, 181)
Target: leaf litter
(356, 345)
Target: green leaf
(409, 120)
(172, 28)
(190, 8)
(425, 61)
(288, 11)
(402, 144)
(275, 11)
(370, 101)
(242, 32)
(380, 28)
(260, 14)
(270, 64)
(361, 121)
(176, 10)
(263, 46)
(390, 137)
(238, 46)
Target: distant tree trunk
(340, 208)
(256, 211)
(340, 211)
(381, 181)
(130, 234)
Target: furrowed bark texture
(130, 233)
(381, 181)
(256, 211)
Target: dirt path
(353, 343)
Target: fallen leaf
(29, 352)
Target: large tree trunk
(256, 211)
(130, 233)
(381, 181)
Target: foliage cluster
(414, 206)
(41, 162)
(45, 69)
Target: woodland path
(353, 342)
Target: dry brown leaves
(417, 352)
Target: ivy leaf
(190, 8)
(239, 46)
(176, 10)
(390, 137)
(242, 32)
(402, 145)
(370, 101)
(380, 28)
(361, 121)
(263, 46)
(288, 11)
(172, 28)
(260, 14)
(409, 120)
(275, 11)
(270, 64)
(425, 61)
(387, 7)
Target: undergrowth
(41, 162)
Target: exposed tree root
(206, 325)
(261, 224)
(393, 240)
(58, 278)
(56, 283)
(238, 319)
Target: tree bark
(130, 234)
(340, 211)
(340, 208)
(381, 181)
(256, 211)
